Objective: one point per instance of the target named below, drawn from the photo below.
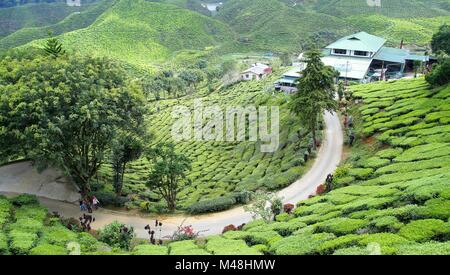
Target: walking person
(329, 182)
(95, 202)
(351, 138)
(82, 206)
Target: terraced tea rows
(26, 228)
(392, 195)
(223, 168)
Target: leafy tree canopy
(65, 112)
(441, 40)
(316, 92)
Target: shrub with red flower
(185, 233)
(321, 189)
(288, 208)
(230, 227)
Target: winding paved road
(22, 178)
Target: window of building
(339, 51)
(361, 53)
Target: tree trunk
(314, 137)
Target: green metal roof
(361, 41)
(398, 55)
(392, 55)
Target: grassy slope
(72, 22)
(220, 168)
(390, 8)
(142, 33)
(271, 25)
(398, 196)
(35, 15)
(416, 31)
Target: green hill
(273, 26)
(74, 21)
(34, 15)
(417, 31)
(390, 8)
(143, 33)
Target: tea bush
(48, 249)
(147, 249)
(426, 230)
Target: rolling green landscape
(392, 191)
(239, 26)
(90, 163)
(223, 171)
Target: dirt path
(326, 162)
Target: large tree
(125, 149)
(316, 93)
(65, 112)
(441, 40)
(168, 174)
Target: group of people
(89, 204)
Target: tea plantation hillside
(390, 8)
(77, 20)
(291, 25)
(34, 15)
(273, 26)
(26, 228)
(222, 170)
(144, 33)
(392, 195)
(416, 31)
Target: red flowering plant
(184, 233)
(288, 208)
(230, 227)
(321, 189)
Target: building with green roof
(361, 56)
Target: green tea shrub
(87, 242)
(374, 162)
(341, 226)
(147, 249)
(426, 230)
(254, 224)
(186, 248)
(284, 217)
(48, 249)
(361, 173)
(435, 209)
(5, 212)
(386, 241)
(302, 244)
(27, 225)
(352, 251)
(330, 246)
(3, 244)
(429, 248)
(108, 197)
(386, 224)
(212, 205)
(58, 235)
(254, 238)
(25, 199)
(116, 235)
(221, 246)
(22, 242)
